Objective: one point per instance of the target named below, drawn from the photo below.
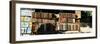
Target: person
(47, 28)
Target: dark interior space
(86, 18)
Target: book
(33, 14)
(39, 20)
(45, 15)
(28, 30)
(23, 30)
(70, 20)
(27, 19)
(38, 15)
(24, 24)
(49, 15)
(22, 18)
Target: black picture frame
(13, 18)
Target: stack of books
(61, 26)
(41, 15)
(25, 24)
(73, 27)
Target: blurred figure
(46, 28)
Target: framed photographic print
(41, 21)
